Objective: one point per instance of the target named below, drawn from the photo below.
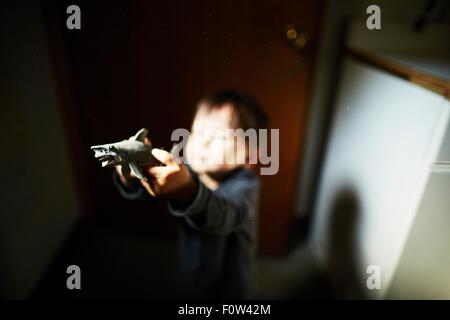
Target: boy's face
(211, 142)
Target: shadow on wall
(343, 260)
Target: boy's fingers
(147, 187)
(150, 186)
(163, 156)
(157, 171)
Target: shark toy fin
(140, 135)
(137, 171)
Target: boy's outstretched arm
(219, 212)
(215, 212)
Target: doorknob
(296, 37)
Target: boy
(215, 200)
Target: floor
(122, 264)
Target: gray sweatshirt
(217, 241)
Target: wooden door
(146, 63)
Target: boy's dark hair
(248, 111)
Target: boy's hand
(170, 181)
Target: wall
(383, 138)
(37, 192)
(385, 133)
(423, 271)
(337, 14)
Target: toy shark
(131, 154)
